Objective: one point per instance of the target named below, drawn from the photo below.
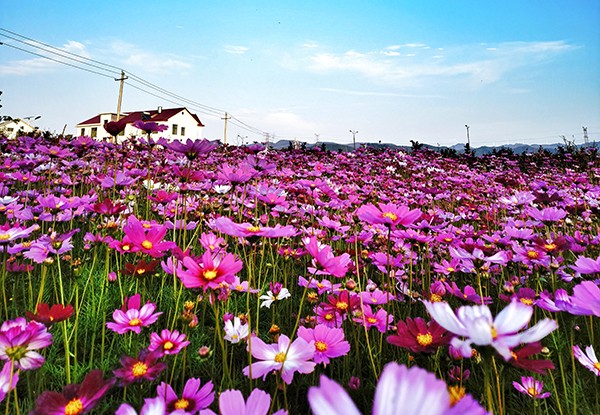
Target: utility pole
(122, 80)
(317, 137)
(354, 132)
(468, 138)
(586, 139)
(227, 117)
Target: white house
(181, 123)
(14, 128)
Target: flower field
(181, 278)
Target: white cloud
(475, 62)
(236, 50)
(135, 58)
(378, 94)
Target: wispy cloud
(487, 63)
(378, 94)
(235, 49)
(135, 58)
(24, 67)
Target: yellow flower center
(253, 229)
(210, 274)
(168, 345)
(391, 216)
(341, 305)
(597, 366)
(532, 254)
(320, 346)
(328, 316)
(424, 339)
(435, 298)
(372, 320)
(126, 247)
(494, 333)
(147, 244)
(448, 239)
(135, 322)
(550, 247)
(140, 271)
(139, 369)
(527, 301)
(450, 269)
(4, 237)
(456, 394)
(182, 403)
(280, 357)
(532, 391)
(74, 407)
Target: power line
(82, 60)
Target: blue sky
(514, 71)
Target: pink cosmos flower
(329, 342)
(380, 319)
(531, 387)
(281, 357)
(585, 265)
(19, 340)
(245, 230)
(323, 256)
(193, 399)
(388, 214)
(550, 214)
(588, 360)
(152, 406)
(131, 317)
(149, 241)
(231, 402)
(8, 380)
(144, 367)
(400, 390)
(476, 325)
(211, 272)
(169, 342)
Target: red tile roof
(165, 115)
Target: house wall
(12, 128)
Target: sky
(391, 71)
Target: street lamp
(354, 132)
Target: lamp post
(354, 132)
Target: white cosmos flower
(235, 330)
(270, 298)
(476, 325)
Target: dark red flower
(75, 399)
(417, 335)
(141, 268)
(107, 207)
(521, 358)
(144, 367)
(50, 315)
(114, 128)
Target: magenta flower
(245, 230)
(402, 390)
(388, 214)
(329, 342)
(19, 341)
(149, 241)
(168, 342)
(144, 367)
(192, 149)
(417, 335)
(588, 360)
(281, 357)
(133, 318)
(476, 325)
(150, 127)
(75, 399)
(194, 398)
(8, 380)
(380, 319)
(585, 265)
(231, 402)
(550, 214)
(531, 387)
(323, 256)
(211, 272)
(586, 299)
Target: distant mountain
(459, 148)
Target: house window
(94, 131)
(82, 131)
(182, 130)
(174, 130)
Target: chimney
(159, 109)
